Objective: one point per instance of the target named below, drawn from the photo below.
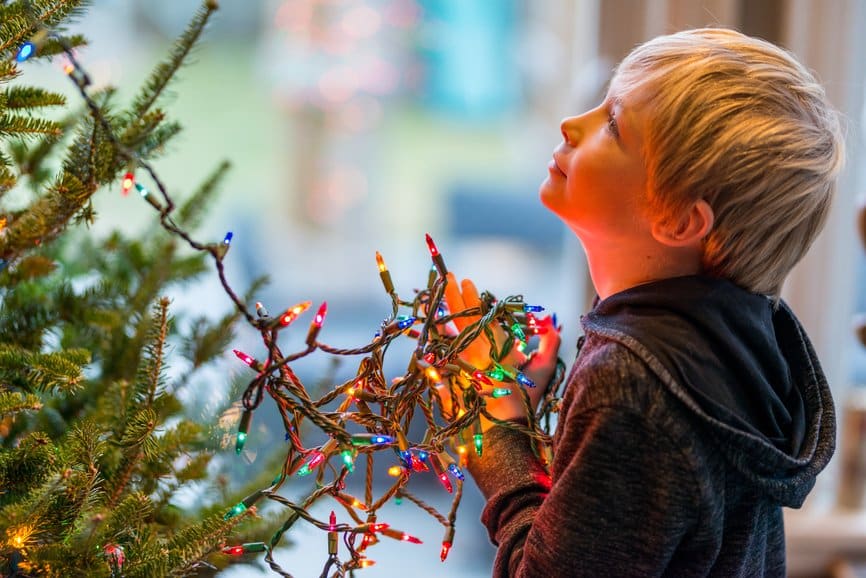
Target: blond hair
(738, 122)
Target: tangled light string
(435, 368)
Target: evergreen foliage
(94, 440)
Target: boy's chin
(548, 195)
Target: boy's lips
(554, 166)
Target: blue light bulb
(27, 50)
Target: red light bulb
(432, 246)
(244, 357)
(127, 183)
(292, 312)
(316, 325)
(320, 314)
(446, 547)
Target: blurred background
(360, 125)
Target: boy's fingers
(472, 299)
(454, 299)
(548, 345)
(470, 293)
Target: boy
(696, 407)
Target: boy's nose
(570, 131)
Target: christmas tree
(95, 440)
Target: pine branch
(188, 268)
(153, 146)
(57, 45)
(92, 158)
(208, 340)
(7, 177)
(22, 19)
(195, 469)
(189, 214)
(141, 128)
(7, 180)
(139, 431)
(8, 68)
(62, 503)
(25, 316)
(138, 442)
(30, 97)
(12, 402)
(85, 445)
(193, 543)
(161, 470)
(14, 30)
(27, 127)
(46, 218)
(151, 376)
(124, 520)
(30, 160)
(55, 14)
(164, 72)
(25, 467)
(33, 267)
(61, 371)
(180, 554)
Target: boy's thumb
(549, 340)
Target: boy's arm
(623, 499)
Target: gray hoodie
(693, 413)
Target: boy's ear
(689, 229)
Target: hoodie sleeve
(622, 498)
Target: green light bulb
(478, 440)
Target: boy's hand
(539, 367)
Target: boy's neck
(617, 268)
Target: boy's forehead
(624, 89)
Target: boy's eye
(611, 126)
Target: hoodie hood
(742, 365)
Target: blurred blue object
(468, 52)
(488, 210)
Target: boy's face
(597, 179)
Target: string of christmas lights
(372, 414)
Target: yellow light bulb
(380, 262)
(19, 539)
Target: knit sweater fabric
(693, 413)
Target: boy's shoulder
(608, 373)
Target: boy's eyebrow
(630, 136)
(618, 102)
